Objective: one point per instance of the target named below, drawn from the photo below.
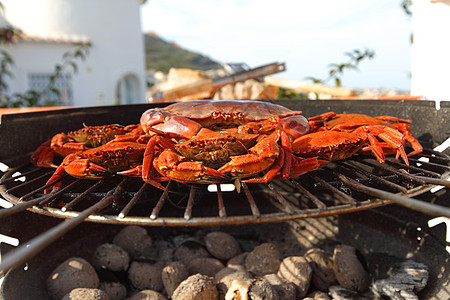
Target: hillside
(162, 55)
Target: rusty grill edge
(325, 192)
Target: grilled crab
(81, 140)
(93, 151)
(339, 136)
(97, 162)
(206, 141)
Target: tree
(337, 70)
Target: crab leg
(150, 153)
(59, 172)
(303, 165)
(392, 119)
(270, 175)
(286, 160)
(317, 122)
(176, 167)
(61, 144)
(77, 167)
(137, 172)
(405, 130)
(389, 135)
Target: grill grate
(346, 186)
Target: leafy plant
(290, 94)
(406, 6)
(337, 70)
(8, 35)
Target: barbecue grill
(351, 186)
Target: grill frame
(37, 126)
(397, 221)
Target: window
(39, 82)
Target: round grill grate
(341, 187)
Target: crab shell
(216, 114)
(236, 112)
(116, 156)
(349, 122)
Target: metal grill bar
(413, 168)
(341, 195)
(42, 200)
(286, 206)
(431, 209)
(405, 176)
(82, 196)
(313, 198)
(435, 181)
(429, 164)
(222, 210)
(34, 192)
(20, 207)
(27, 251)
(133, 201)
(254, 208)
(190, 204)
(378, 179)
(161, 201)
(20, 186)
(17, 176)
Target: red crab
(81, 140)
(95, 163)
(205, 141)
(339, 136)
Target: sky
(307, 35)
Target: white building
(114, 70)
(430, 52)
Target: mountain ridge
(162, 55)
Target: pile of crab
(206, 141)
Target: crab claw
(174, 166)
(261, 157)
(85, 169)
(77, 167)
(134, 172)
(43, 156)
(302, 166)
(160, 120)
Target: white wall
(430, 52)
(113, 28)
(32, 58)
